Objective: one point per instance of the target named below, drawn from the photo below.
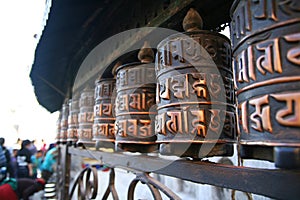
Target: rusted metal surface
(86, 184)
(195, 94)
(104, 114)
(135, 104)
(273, 183)
(154, 186)
(73, 120)
(63, 172)
(86, 117)
(265, 36)
(111, 186)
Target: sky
(21, 114)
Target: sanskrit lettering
(103, 109)
(241, 22)
(265, 9)
(86, 117)
(104, 90)
(102, 129)
(134, 127)
(261, 117)
(293, 54)
(135, 76)
(137, 101)
(188, 86)
(266, 58)
(257, 114)
(85, 133)
(290, 115)
(195, 122)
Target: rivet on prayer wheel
(64, 122)
(195, 95)
(135, 104)
(86, 118)
(73, 120)
(266, 51)
(104, 115)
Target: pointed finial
(146, 54)
(192, 21)
(114, 70)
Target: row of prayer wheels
(189, 102)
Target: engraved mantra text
(260, 118)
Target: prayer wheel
(86, 118)
(64, 122)
(135, 104)
(73, 120)
(58, 128)
(195, 95)
(104, 115)
(266, 52)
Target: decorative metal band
(271, 143)
(87, 186)
(274, 81)
(197, 103)
(137, 113)
(134, 87)
(105, 119)
(265, 29)
(197, 141)
(154, 186)
(208, 65)
(128, 141)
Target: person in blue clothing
(48, 165)
(36, 161)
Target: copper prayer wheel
(64, 122)
(86, 118)
(195, 95)
(135, 104)
(58, 128)
(73, 120)
(266, 51)
(104, 116)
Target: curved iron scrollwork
(87, 187)
(111, 186)
(153, 185)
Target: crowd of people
(25, 170)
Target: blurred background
(21, 116)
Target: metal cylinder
(104, 115)
(64, 122)
(135, 105)
(86, 118)
(58, 128)
(195, 96)
(73, 120)
(266, 51)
